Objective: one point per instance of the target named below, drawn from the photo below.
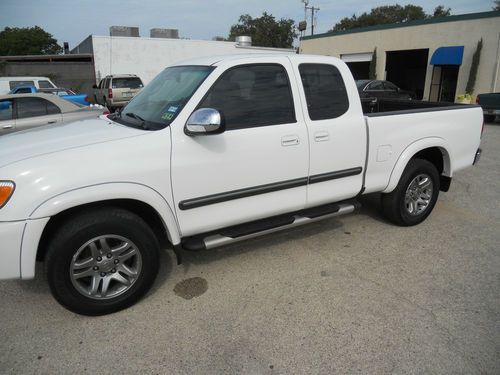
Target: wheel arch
(435, 150)
(139, 199)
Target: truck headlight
(6, 190)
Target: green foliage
(15, 41)
(440, 11)
(389, 14)
(265, 30)
(469, 89)
(372, 73)
(497, 5)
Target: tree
(389, 14)
(16, 41)
(497, 5)
(471, 82)
(265, 30)
(440, 11)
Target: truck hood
(54, 138)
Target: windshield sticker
(167, 116)
(173, 109)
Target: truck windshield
(157, 105)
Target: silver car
(24, 111)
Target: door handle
(7, 127)
(321, 136)
(51, 122)
(290, 140)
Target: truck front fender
(92, 194)
(414, 148)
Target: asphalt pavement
(348, 295)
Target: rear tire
(415, 195)
(102, 261)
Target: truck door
(258, 167)
(337, 134)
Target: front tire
(102, 261)
(415, 195)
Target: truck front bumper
(18, 247)
(11, 237)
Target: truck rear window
(126, 83)
(325, 91)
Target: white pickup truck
(214, 151)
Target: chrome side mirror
(204, 121)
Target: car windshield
(361, 83)
(157, 105)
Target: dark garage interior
(359, 70)
(407, 69)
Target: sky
(74, 20)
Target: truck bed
(381, 107)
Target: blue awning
(448, 55)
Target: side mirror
(204, 121)
(94, 86)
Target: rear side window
(126, 83)
(377, 85)
(390, 87)
(251, 96)
(32, 107)
(45, 85)
(14, 84)
(325, 91)
(5, 109)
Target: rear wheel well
(437, 156)
(141, 209)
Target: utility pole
(312, 17)
(313, 9)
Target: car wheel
(489, 118)
(415, 195)
(102, 261)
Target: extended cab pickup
(214, 151)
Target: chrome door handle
(7, 127)
(290, 140)
(51, 122)
(321, 136)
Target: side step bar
(262, 227)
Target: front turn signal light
(6, 190)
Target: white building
(146, 57)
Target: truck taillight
(110, 93)
(86, 99)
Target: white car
(9, 83)
(25, 111)
(211, 152)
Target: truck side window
(325, 91)
(252, 95)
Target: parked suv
(116, 90)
